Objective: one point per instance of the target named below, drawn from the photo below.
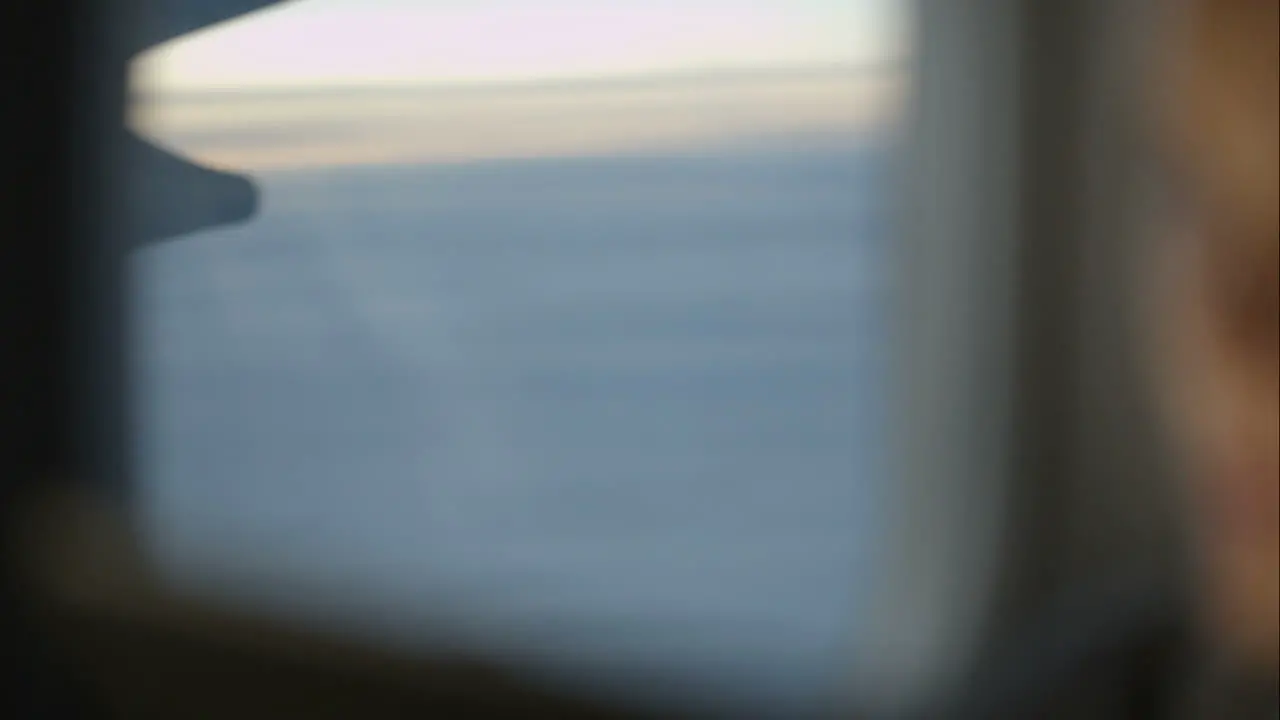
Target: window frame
(1004, 178)
(1023, 397)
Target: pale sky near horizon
(307, 43)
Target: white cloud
(320, 127)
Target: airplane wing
(172, 196)
(165, 20)
(177, 196)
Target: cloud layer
(301, 128)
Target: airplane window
(557, 331)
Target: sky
(319, 82)
(334, 42)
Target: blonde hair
(1223, 119)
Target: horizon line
(624, 80)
